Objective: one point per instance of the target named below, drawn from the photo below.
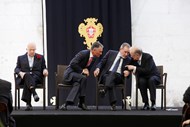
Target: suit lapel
(142, 59)
(34, 63)
(26, 59)
(112, 58)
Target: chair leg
(44, 99)
(18, 98)
(57, 99)
(122, 99)
(15, 98)
(124, 103)
(165, 99)
(136, 98)
(97, 98)
(162, 98)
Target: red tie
(89, 61)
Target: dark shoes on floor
(146, 107)
(153, 107)
(29, 107)
(36, 98)
(102, 92)
(63, 107)
(82, 106)
(113, 107)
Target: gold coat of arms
(90, 31)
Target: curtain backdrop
(64, 41)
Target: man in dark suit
(147, 74)
(77, 72)
(6, 97)
(111, 71)
(31, 69)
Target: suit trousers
(29, 82)
(79, 83)
(111, 79)
(148, 83)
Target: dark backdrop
(64, 41)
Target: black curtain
(64, 41)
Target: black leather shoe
(153, 107)
(102, 93)
(63, 107)
(82, 106)
(146, 107)
(113, 107)
(36, 98)
(28, 107)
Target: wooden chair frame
(38, 86)
(161, 86)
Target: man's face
(31, 49)
(97, 52)
(124, 51)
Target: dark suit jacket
(37, 69)
(5, 93)
(107, 61)
(6, 97)
(78, 63)
(148, 67)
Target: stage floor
(102, 117)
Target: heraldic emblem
(90, 31)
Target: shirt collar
(140, 58)
(119, 55)
(31, 57)
(91, 55)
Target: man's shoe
(102, 93)
(28, 107)
(113, 107)
(153, 107)
(146, 107)
(63, 107)
(36, 98)
(82, 106)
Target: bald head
(31, 48)
(135, 52)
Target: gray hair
(124, 45)
(138, 51)
(96, 44)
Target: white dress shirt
(120, 64)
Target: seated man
(77, 72)
(31, 69)
(148, 75)
(6, 97)
(111, 71)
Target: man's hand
(45, 72)
(85, 71)
(130, 67)
(96, 72)
(126, 73)
(21, 74)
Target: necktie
(89, 61)
(116, 65)
(139, 62)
